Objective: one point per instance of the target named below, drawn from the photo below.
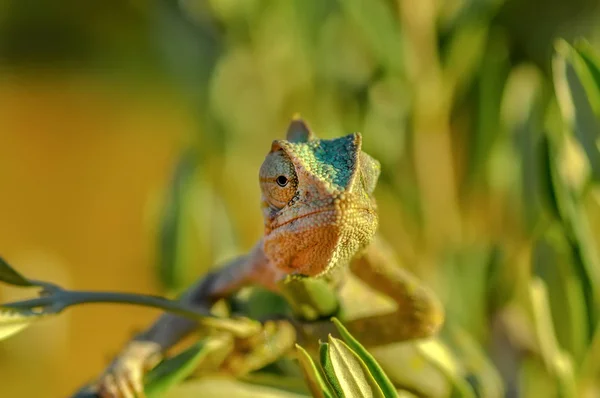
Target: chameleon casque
(320, 220)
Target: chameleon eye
(282, 181)
(278, 180)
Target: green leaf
(465, 51)
(590, 365)
(555, 359)
(410, 370)
(281, 375)
(12, 277)
(534, 380)
(434, 353)
(328, 370)
(488, 381)
(310, 298)
(577, 229)
(351, 373)
(578, 97)
(258, 303)
(219, 386)
(314, 379)
(375, 370)
(487, 127)
(591, 73)
(174, 370)
(175, 219)
(552, 259)
(12, 321)
(565, 372)
(523, 107)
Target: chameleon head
(317, 199)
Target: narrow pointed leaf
(281, 381)
(174, 370)
(352, 374)
(590, 366)
(555, 359)
(13, 321)
(377, 373)
(563, 367)
(169, 373)
(317, 385)
(579, 100)
(329, 371)
(487, 130)
(578, 230)
(219, 386)
(171, 261)
(12, 277)
(487, 379)
(410, 370)
(433, 352)
(590, 71)
(553, 260)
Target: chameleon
(320, 225)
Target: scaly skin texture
(320, 221)
(317, 208)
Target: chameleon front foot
(124, 377)
(231, 353)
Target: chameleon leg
(123, 377)
(419, 314)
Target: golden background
(98, 101)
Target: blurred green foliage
(488, 189)
(487, 135)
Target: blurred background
(131, 133)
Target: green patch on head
(332, 161)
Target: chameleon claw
(124, 377)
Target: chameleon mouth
(328, 217)
(309, 214)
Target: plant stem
(75, 297)
(60, 299)
(66, 298)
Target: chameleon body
(320, 220)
